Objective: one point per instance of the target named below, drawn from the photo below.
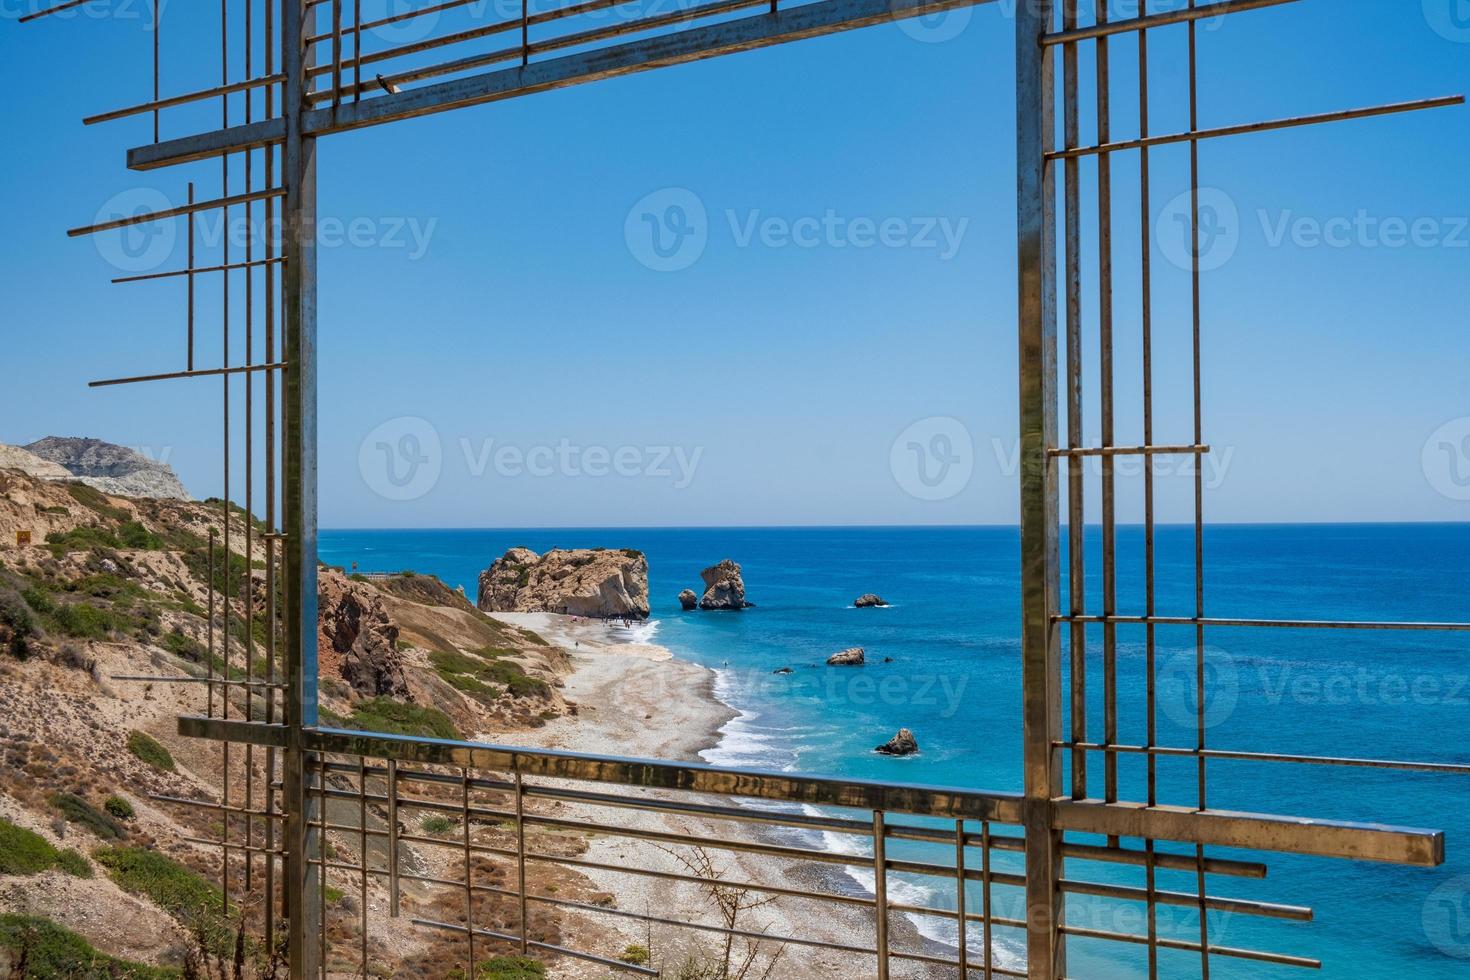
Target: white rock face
(15, 458)
(112, 469)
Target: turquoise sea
(952, 634)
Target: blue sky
(854, 293)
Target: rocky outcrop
(688, 600)
(357, 637)
(112, 469)
(851, 657)
(723, 587)
(593, 582)
(15, 458)
(868, 599)
(903, 743)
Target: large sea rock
(723, 587)
(596, 582)
(868, 599)
(688, 600)
(115, 470)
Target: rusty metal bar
(1272, 125)
(1104, 29)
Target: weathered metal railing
(372, 787)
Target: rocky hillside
(593, 582)
(97, 877)
(112, 469)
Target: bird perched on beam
(387, 86)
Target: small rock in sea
(782, 670)
(688, 600)
(903, 743)
(868, 599)
(888, 660)
(851, 657)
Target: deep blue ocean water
(952, 633)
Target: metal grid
(295, 797)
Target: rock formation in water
(355, 630)
(112, 469)
(596, 582)
(903, 743)
(688, 600)
(723, 587)
(851, 657)
(868, 599)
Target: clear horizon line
(836, 527)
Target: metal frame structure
(288, 785)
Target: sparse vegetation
(78, 811)
(23, 852)
(383, 714)
(150, 750)
(119, 807)
(487, 667)
(96, 501)
(635, 954)
(17, 625)
(511, 968)
(38, 947)
(436, 824)
(183, 893)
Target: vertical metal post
(393, 839)
(1041, 654)
(963, 938)
(298, 174)
(880, 891)
(521, 860)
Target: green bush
(635, 954)
(16, 618)
(84, 621)
(119, 807)
(48, 950)
(23, 852)
(150, 750)
(486, 667)
(437, 824)
(511, 968)
(183, 893)
(81, 539)
(78, 811)
(74, 863)
(382, 714)
(38, 599)
(136, 536)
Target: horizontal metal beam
(1254, 831)
(939, 801)
(1182, 15)
(675, 48)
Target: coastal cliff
(116, 470)
(596, 582)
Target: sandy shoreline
(634, 698)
